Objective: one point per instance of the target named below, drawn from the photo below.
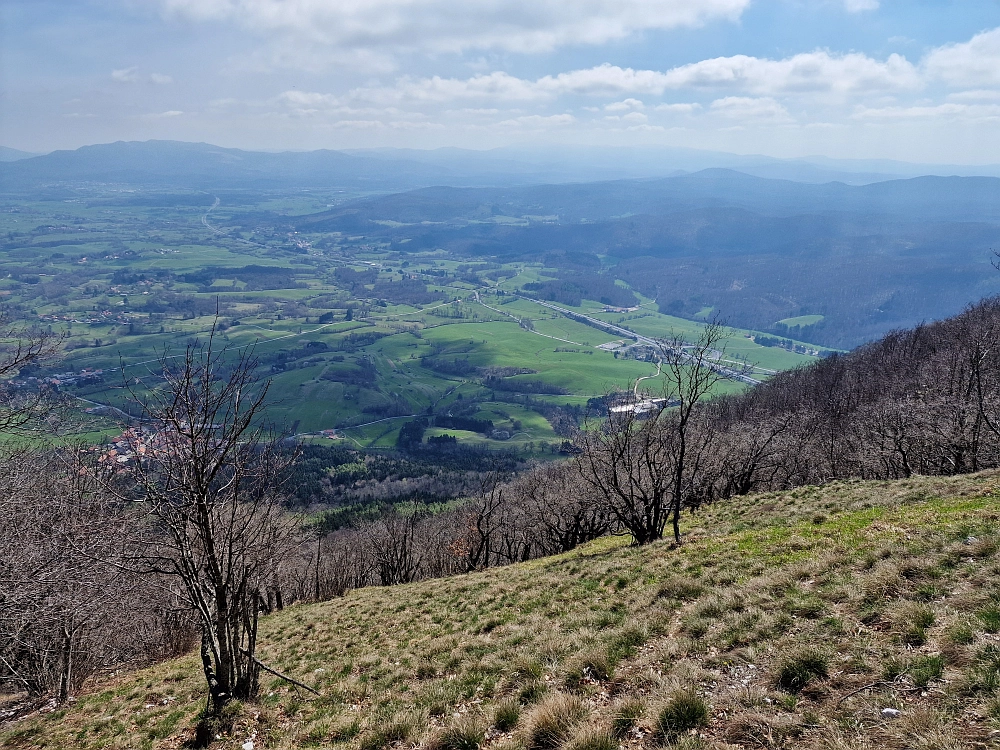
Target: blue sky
(915, 80)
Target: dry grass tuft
(760, 730)
(465, 734)
(625, 717)
(386, 729)
(798, 669)
(590, 738)
(683, 710)
(589, 665)
(506, 714)
(550, 723)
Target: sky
(916, 80)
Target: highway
(726, 372)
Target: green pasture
(736, 343)
(314, 390)
(800, 321)
(505, 344)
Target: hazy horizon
(843, 79)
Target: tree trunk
(66, 674)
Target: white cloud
(539, 121)
(604, 79)
(857, 6)
(628, 105)
(132, 75)
(972, 63)
(808, 72)
(163, 115)
(977, 95)
(126, 75)
(681, 108)
(950, 111)
(358, 124)
(496, 86)
(821, 89)
(444, 25)
(308, 100)
(635, 118)
(748, 109)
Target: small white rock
(891, 713)
(248, 745)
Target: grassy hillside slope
(805, 618)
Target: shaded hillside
(850, 616)
(920, 198)
(201, 165)
(922, 401)
(866, 258)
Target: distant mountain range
(918, 198)
(173, 164)
(12, 154)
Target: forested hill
(919, 401)
(917, 198)
(860, 260)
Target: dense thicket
(921, 401)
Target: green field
(801, 321)
(349, 333)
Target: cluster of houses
(133, 442)
(97, 318)
(61, 379)
(137, 443)
(641, 408)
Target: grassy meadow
(854, 615)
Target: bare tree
(20, 347)
(67, 608)
(558, 511)
(691, 371)
(481, 520)
(641, 461)
(981, 334)
(628, 462)
(210, 480)
(344, 563)
(394, 548)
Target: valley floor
(853, 615)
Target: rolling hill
(854, 615)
